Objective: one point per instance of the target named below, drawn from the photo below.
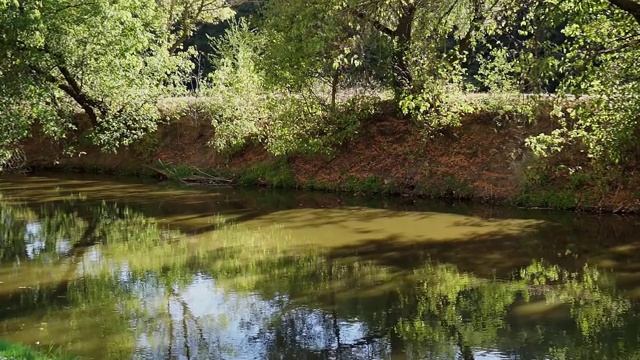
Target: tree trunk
(402, 79)
(402, 75)
(334, 88)
(87, 239)
(465, 350)
(478, 19)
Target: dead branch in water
(203, 178)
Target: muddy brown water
(107, 268)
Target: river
(106, 268)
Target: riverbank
(484, 159)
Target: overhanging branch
(375, 23)
(629, 6)
(79, 98)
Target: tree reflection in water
(106, 281)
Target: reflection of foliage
(135, 275)
(55, 230)
(67, 238)
(434, 310)
(455, 308)
(8, 232)
(591, 294)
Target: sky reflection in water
(112, 270)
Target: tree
(184, 16)
(307, 42)
(421, 45)
(426, 31)
(598, 63)
(112, 60)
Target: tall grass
(9, 351)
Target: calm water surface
(108, 269)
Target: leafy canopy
(112, 60)
(599, 63)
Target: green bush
(274, 174)
(549, 199)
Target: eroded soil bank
(485, 159)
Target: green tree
(311, 38)
(112, 60)
(419, 49)
(307, 43)
(598, 64)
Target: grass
(9, 351)
(274, 174)
(368, 185)
(564, 200)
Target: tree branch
(73, 89)
(375, 23)
(618, 48)
(446, 13)
(184, 31)
(87, 104)
(70, 86)
(629, 6)
(479, 17)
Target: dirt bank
(485, 159)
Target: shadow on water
(116, 270)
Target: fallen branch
(164, 174)
(203, 179)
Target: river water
(104, 268)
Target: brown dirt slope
(484, 159)
(476, 160)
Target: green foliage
(303, 126)
(301, 76)
(12, 160)
(436, 106)
(368, 185)
(314, 184)
(305, 42)
(111, 60)
(540, 190)
(603, 52)
(554, 199)
(275, 174)
(453, 306)
(429, 50)
(236, 98)
(509, 108)
(10, 351)
(94, 223)
(245, 105)
(554, 185)
(589, 315)
(424, 59)
(146, 146)
(599, 83)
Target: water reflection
(114, 279)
